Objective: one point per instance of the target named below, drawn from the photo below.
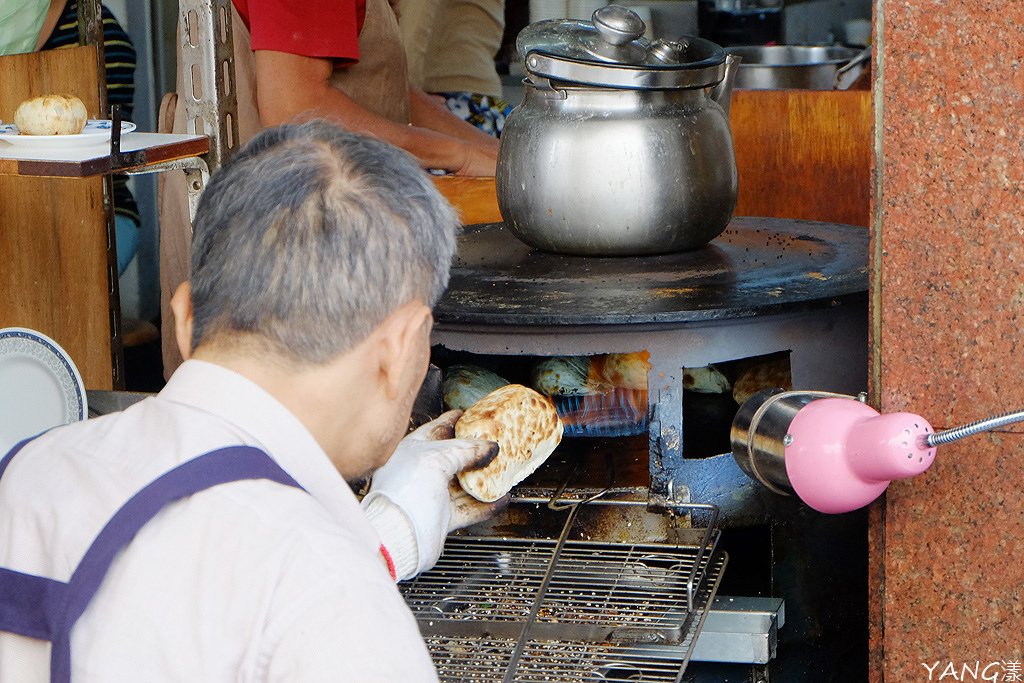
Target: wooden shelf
(138, 150)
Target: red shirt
(311, 28)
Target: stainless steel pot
(802, 67)
(618, 148)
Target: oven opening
(713, 394)
(605, 407)
(603, 395)
(600, 399)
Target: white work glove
(414, 501)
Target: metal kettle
(622, 145)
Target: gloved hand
(413, 501)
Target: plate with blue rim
(96, 132)
(40, 387)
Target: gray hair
(311, 237)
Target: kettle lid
(610, 51)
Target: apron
(378, 82)
(43, 608)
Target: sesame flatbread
(526, 428)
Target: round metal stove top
(757, 266)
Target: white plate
(40, 386)
(95, 133)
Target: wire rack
(513, 609)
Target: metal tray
(567, 609)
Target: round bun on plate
(51, 115)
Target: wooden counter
(61, 277)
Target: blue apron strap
(30, 605)
(235, 463)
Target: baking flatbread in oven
(526, 428)
(773, 373)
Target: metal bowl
(782, 67)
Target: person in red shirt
(340, 60)
(343, 60)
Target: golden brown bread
(769, 374)
(627, 370)
(51, 115)
(526, 428)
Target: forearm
(432, 148)
(427, 112)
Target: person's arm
(413, 501)
(428, 111)
(50, 22)
(292, 87)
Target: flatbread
(568, 376)
(526, 428)
(627, 370)
(706, 380)
(770, 374)
(464, 385)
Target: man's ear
(181, 305)
(403, 338)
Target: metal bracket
(737, 630)
(741, 630)
(543, 85)
(207, 60)
(197, 175)
(665, 389)
(90, 32)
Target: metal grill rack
(568, 609)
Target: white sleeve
(396, 534)
(339, 631)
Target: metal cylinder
(759, 432)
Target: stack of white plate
(548, 9)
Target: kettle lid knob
(618, 25)
(666, 51)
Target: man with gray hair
(209, 533)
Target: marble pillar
(947, 548)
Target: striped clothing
(120, 63)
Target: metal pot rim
(746, 51)
(702, 74)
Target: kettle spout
(722, 93)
